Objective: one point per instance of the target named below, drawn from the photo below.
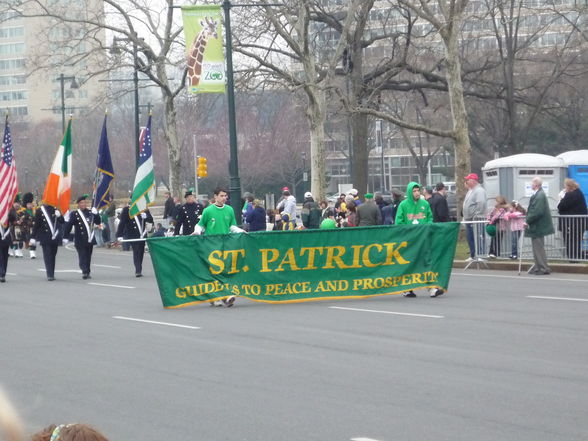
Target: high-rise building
(48, 66)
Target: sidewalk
(513, 265)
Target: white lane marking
(107, 266)
(13, 274)
(111, 286)
(118, 317)
(62, 271)
(387, 312)
(555, 279)
(557, 298)
(363, 439)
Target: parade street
(498, 357)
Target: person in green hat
(368, 213)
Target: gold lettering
(394, 253)
(265, 259)
(180, 293)
(288, 259)
(311, 254)
(215, 259)
(334, 255)
(366, 255)
(234, 254)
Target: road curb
(572, 268)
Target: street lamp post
(235, 181)
(304, 174)
(115, 48)
(74, 85)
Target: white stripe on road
(111, 286)
(11, 274)
(155, 323)
(557, 298)
(555, 279)
(107, 266)
(62, 271)
(387, 312)
(363, 439)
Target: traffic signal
(202, 169)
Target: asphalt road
(490, 360)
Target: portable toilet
(511, 177)
(577, 163)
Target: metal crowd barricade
(569, 242)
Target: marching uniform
(188, 217)
(25, 216)
(6, 239)
(82, 221)
(48, 231)
(135, 228)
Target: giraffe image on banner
(204, 50)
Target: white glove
(66, 217)
(57, 213)
(119, 239)
(197, 230)
(65, 242)
(94, 211)
(32, 242)
(144, 215)
(236, 229)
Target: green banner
(204, 49)
(302, 266)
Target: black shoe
(229, 302)
(2, 280)
(85, 276)
(542, 273)
(138, 275)
(409, 294)
(50, 279)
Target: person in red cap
(474, 207)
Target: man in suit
(82, 221)
(135, 228)
(539, 225)
(48, 231)
(188, 216)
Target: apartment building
(35, 52)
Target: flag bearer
(135, 228)
(6, 239)
(83, 220)
(48, 231)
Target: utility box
(511, 177)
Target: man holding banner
(415, 210)
(219, 218)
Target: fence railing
(505, 239)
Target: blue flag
(104, 172)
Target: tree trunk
(173, 146)
(458, 112)
(317, 116)
(361, 153)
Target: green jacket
(411, 211)
(538, 216)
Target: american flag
(8, 180)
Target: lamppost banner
(204, 49)
(302, 266)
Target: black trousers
(138, 253)
(49, 253)
(3, 259)
(85, 257)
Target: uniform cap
(188, 193)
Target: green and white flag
(144, 188)
(204, 49)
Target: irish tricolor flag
(144, 188)
(58, 189)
